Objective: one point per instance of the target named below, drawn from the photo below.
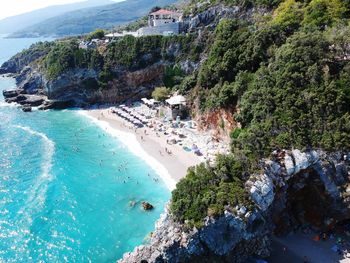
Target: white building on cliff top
(162, 22)
(162, 17)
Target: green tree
(160, 93)
(97, 34)
(322, 13)
(289, 14)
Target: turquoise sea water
(66, 186)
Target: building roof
(176, 100)
(163, 12)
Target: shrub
(160, 94)
(172, 76)
(321, 13)
(97, 34)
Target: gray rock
(32, 100)
(11, 93)
(26, 109)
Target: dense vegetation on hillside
(65, 55)
(288, 74)
(209, 190)
(280, 75)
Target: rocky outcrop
(230, 238)
(294, 189)
(78, 87)
(310, 188)
(12, 93)
(146, 206)
(26, 109)
(212, 16)
(25, 99)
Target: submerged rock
(26, 109)
(56, 104)
(147, 206)
(11, 93)
(32, 100)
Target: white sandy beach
(170, 167)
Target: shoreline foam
(39, 189)
(130, 141)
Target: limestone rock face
(262, 192)
(212, 16)
(78, 87)
(295, 188)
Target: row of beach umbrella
(127, 116)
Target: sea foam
(8, 105)
(130, 141)
(37, 196)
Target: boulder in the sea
(12, 93)
(147, 206)
(56, 104)
(20, 98)
(26, 108)
(11, 100)
(33, 100)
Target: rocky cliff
(294, 189)
(79, 85)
